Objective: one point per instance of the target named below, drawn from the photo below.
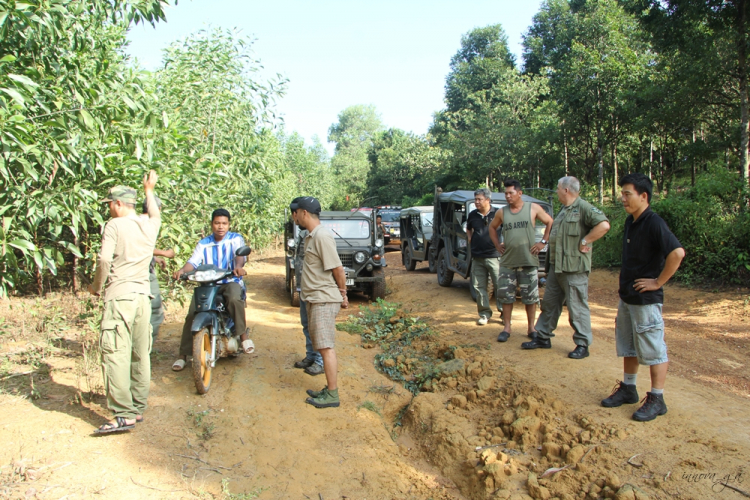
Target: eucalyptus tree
(708, 42)
(403, 166)
(71, 114)
(353, 135)
(219, 149)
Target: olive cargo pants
(572, 289)
(125, 343)
(481, 269)
(157, 305)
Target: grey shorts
(527, 279)
(321, 319)
(639, 333)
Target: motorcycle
(213, 328)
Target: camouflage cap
(121, 193)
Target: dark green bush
(710, 222)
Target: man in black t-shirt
(485, 259)
(651, 254)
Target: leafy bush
(710, 222)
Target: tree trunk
(565, 148)
(614, 171)
(744, 112)
(601, 173)
(692, 162)
(651, 160)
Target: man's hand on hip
(538, 247)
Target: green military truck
(361, 253)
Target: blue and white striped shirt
(219, 253)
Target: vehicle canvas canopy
(449, 234)
(425, 215)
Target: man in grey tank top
(519, 264)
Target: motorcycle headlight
(379, 242)
(360, 257)
(207, 275)
(290, 242)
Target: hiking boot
(482, 320)
(622, 394)
(326, 399)
(503, 337)
(304, 363)
(537, 343)
(653, 406)
(315, 394)
(314, 369)
(579, 352)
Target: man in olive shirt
(519, 264)
(128, 245)
(324, 291)
(569, 258)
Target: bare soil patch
(252, 436)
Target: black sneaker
(579, 352)
(503, 337)
(537, 343)
(653, 406)
(304, 363)
(622, 394)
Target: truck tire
(409, 263)
(378, 287)
(431, 261)
(293, 292)
(444, 275)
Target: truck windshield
(427, 219)
(347, 228)
(390, 215)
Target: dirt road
(253, 436)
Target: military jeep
(292, 241)
(390, 216)
(416, 236)
(449, 246)
(360, 252)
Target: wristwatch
(543, 241)
(584, 242)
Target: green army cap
(121, 193)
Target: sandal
(139, 419)
(178, 365)
(248, 347)
(118, 425)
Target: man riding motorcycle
(219, 250)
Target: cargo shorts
(639, 333)
(526, 278)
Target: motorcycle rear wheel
(202, 360)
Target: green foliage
(353, 135)
(709, 223)
(227, 495)
(407, 355)
(369, 405)
(200, 419)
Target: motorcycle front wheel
(202, 360)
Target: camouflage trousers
(526, 278)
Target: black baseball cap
(308, 203)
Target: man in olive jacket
(569, 258)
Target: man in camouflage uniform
(569, 259)
(519, 264)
